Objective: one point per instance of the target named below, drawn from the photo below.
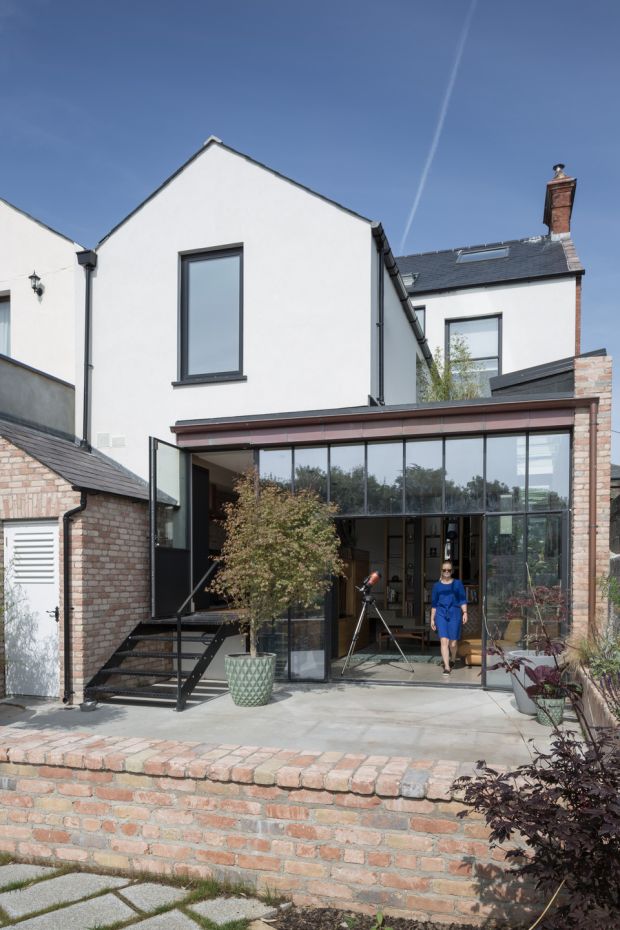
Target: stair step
(140, 672)
(187, 622)
(156, 655)
(158, 693)
(171, 638)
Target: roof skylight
(483, 255)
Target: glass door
(169, 509)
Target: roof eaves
(213, 140)
(547, 276)
(34, 219)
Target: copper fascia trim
(378, 424)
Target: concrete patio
(462, 725)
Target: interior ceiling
(236, 461)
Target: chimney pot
(559, 203)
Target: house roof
(38, 222)
(536, 257)
(86, 471)
(213, 140)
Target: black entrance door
(170, 527)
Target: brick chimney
(559, 203)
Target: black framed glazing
(475, 319)
(233, 372)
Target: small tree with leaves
(280, 551)
(456, 377)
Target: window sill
(209, 379)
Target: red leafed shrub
(565, 806)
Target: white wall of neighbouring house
(306, 303)
(538, 318)
(400, 348)
(41, 328)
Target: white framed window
(482, 336)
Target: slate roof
(86, 471)
(536, 257)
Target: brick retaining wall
(327, 829)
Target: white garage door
(31, 608)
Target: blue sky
(100, 102)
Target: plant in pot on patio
(543, 610)
(280, 550)
(548, 691)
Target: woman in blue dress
(448, 614)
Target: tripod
(370, 601)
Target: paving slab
(221, 911)
(148, 896)
(98, 912)
(172, 920)
(62, 890)
(20, 872)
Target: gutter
(66, 596)
(88, 260)
(392, 268)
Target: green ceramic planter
(549, 711)
(250, 680)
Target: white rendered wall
(538, 318)
(42, 328)
(400, 348)
(307, 286)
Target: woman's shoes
(452, 663)
(446, 671)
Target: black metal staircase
(148, 666)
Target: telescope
(370, 601)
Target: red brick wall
(352, 831)
(110, 550)
(28, 491)
(592, 379)
(109, 558)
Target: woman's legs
(445, 644)
(448, 650)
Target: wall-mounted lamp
(35, 283)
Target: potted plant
(280, 551)
(540, 607)
(548, 692)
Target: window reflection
(385, 477)
(548, 471)
(464, 475)
(423, 476)
(506, 467)
(311, 470)
(276, 465)
(347, 474)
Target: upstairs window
(481, 336)
(482, 255)
(5, 326)
(212, 315)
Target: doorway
(31, 586)
(408, 552)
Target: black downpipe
(381, 325)
(67, 608)
(88, 259)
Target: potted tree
(280, 551)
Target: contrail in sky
(440, 122)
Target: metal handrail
(212, 568)
(208, 572)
